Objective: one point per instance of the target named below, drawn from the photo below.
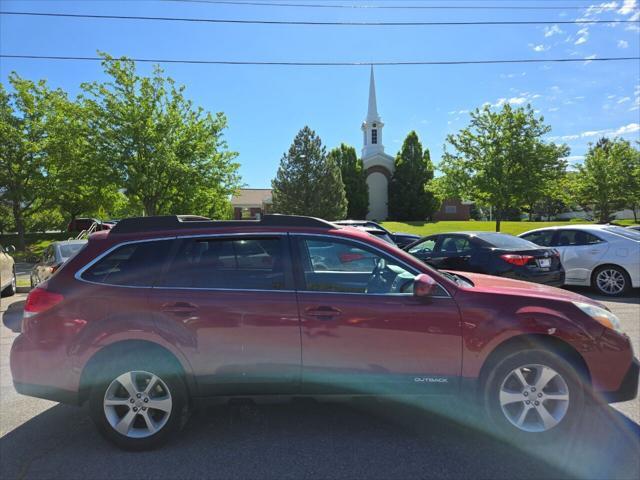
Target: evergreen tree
(308, 181)
(355, 181)
(409, 195)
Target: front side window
(344, 267)
(425, 247)
(134, 264)
(229, 263)
(542, 238)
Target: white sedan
(605, 257)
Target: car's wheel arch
(595, 270)
(548, 343)
(120, 349)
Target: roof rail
(193, 222)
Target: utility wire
(393, 7)
(326, 64)
(311, 22)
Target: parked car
(7, 271)
(158, 311)
(82, 224)
(492, 254)
(634, 227)
(399, 238)
(605, 257)
(52, 259)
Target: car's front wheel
(11, 289)
(534, 394)
(138, 406)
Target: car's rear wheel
(611, 280)
(534, 394)
(138, 405)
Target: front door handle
(179, 308)
(323, 313)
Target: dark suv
(162, 310)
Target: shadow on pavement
(12, 317)
(305, 439)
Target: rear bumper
(47, 392)
(553, 278)
(628, 388)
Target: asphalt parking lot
(306, 439)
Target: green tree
(409, 195)
(608, 179)
(308, 181)
(494, 159)
(23, 163)
(355, 180)
(168, 155)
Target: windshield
(70, 249)
(508, 242)
(624, 232)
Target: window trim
(299, 274)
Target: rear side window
(572, 238)
(134, 264)
(237, 264)
(455, 244)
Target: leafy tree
(608, 179)
(544, 181)
(23, 116)
(409, 195)
(495, 158)
(355, 180)
(308, 181)
(167, 155)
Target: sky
(266, 105)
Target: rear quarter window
(134, 264)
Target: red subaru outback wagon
(162, 310)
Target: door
(453, 252)
(580, 252)
(363, 331)
(230, 302)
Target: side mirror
(424, 286)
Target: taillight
(519, 260)
(39, 300)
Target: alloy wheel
(611, 281)
(534, 398)
(137, 404)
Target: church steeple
(372, 112)
(378, 165)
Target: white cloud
(583, 36)
(539, 48)
(589, 59)
(623, 100)
(517, 100)
(631, 128)
(623, 44)
(624, 130)
(580, 41)
(628, 6)
(553, 109)
(552, 30)
(574, 158)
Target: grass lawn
(514, 228)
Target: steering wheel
(377, 282)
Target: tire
(126, 393)
(505, 396)
(611, 281)
(10, 290)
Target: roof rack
(192, 222)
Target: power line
(312, 22)
(391, 7)
(326, 64)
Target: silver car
(7, 271)
(53, 257)
(605, 257)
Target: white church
(378, 165)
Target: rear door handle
(323, 313)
